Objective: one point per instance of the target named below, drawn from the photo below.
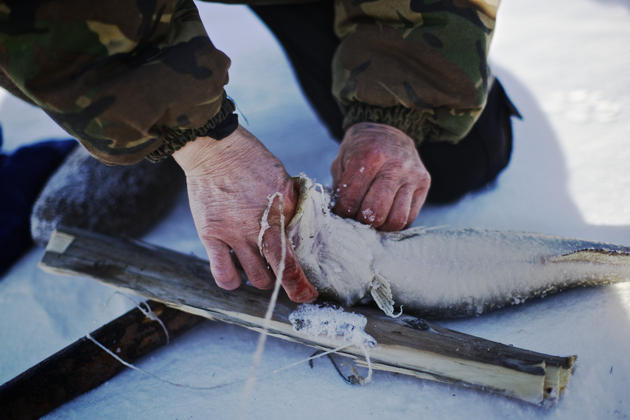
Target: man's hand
(229, 182)
(379, 177)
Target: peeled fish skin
(441, 272)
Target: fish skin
(442, 272)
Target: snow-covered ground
(565, 64)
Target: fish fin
(382, 294)
(593, 256)
(412, 232)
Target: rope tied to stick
(364, 342)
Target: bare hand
(379, 177)
(229, 182)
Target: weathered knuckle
(207, 237)
(391, 186)
(375, 154)
(401, 168)
(406, 189)
(422, 180)
(426, 184)
(404, 164)
(383, 201)
(426, 177)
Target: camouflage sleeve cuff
(411, 121)
(218, 127)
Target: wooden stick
(82, 365)
(406, 345)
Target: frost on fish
(441, 272)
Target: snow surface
(565, 64)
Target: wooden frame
(406, 345)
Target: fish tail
(594, 256)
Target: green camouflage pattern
(128, 77)
(114, 74)
(420, 64)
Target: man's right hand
(229, 182)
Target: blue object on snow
(23, 174)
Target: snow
(368, 215)
(564, 63)
(332, 322)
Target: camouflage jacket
(139, 79)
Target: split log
(82, 365)
(406, 345)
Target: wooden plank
(82, 365)
(406, 345)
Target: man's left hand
(378, 177)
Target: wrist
(377, 128)
(206, 156)
(222, 124)
(198, 153)
(378, 132)
(413, 122)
